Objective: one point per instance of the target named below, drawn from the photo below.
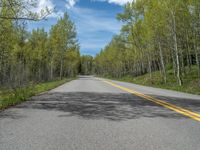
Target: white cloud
(70, 3)
(118, 2)
(95, 20)
(56, 14)
(95, 28)
(47, 4)
(43, 4)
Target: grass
(191, 81)
(13, 97)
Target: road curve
(88, 114)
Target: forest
(158, 39)
(157, 36)
(35, 56)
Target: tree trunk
(51, 70)
(174, 62)
(189, 62)
(61, 69)
(162, 62)
(182, 62)
(197, 57)
(176, 49)
(150, 70)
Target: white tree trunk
(176, 49)
(162, 63)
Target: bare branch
(20, 10)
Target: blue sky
(95, 20)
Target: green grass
(191, 82)
(12, 97)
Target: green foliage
(87, 64)
(64, 48)
(30, 58)
(13, 97)
(37, 56)
(157, 35)
(22, 10)
(191, 81)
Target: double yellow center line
(170, 106)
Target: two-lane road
(91, 114)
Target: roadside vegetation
(191, 82)
(15, 96)
(159, 45)
(34, 61)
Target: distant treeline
(156, 35)
(87, 65)
(36, 56)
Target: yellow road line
(170, 106)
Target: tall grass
(191, 81)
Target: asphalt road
(89, 114)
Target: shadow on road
(114, 107)
(11, 114)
